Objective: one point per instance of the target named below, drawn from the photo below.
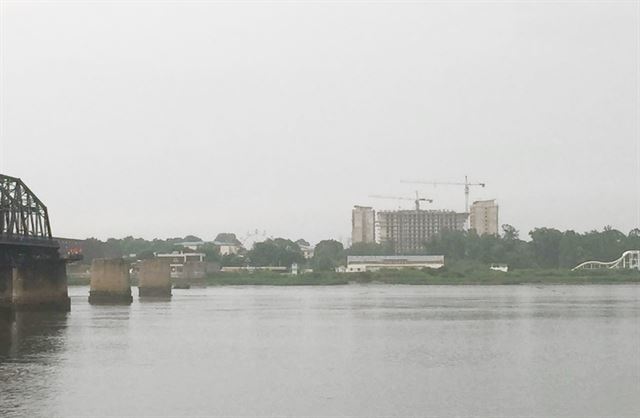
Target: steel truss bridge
(25, 229)
(629, 260)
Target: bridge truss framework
(23, 217)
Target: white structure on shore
(629, 260)
(358, 263)
(182, 263)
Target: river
(357, 351)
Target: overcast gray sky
(157, 119)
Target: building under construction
(407, 231)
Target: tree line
(547, 248)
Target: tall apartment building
(363, 224)
(484, 217)
(408, 230)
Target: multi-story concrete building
(363, 224)
(484, 217)
(407, 231)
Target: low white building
(181, 257)
(228, 243)
(191, 245)
(178, 260)
(358, 263)
(228, 249)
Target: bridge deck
(19, 241)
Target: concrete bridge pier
(154, 279)
(41, 285)
(110, 282)
(193, 274)
(36, 285)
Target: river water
(358, 351)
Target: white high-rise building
(484, 217)
(363, 220)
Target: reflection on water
(30, 346)
(6, 320)
(31, 334)
(517, 351)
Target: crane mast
(466, 185)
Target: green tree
(191, 238)
(370, 248)
(509, 233)
(328, 255)
(519, 255)
(277, 252)
(633, 240)
(545, 243)
(211, 252)
(232, 260)
(570, 250)
(456, 245)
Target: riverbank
(454, 276)
(419, 277)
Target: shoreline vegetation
(547, 258)
(457, 275)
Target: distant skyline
(162, 119)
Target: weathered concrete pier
(193, 274)
(110, 282)
(154, 279)
(36, 285)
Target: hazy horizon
(165, 119)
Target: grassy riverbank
(459, 274)
(430, 277)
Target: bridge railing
(13, 239)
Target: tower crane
(417, 199)
(466, 185)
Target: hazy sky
(158, 118)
